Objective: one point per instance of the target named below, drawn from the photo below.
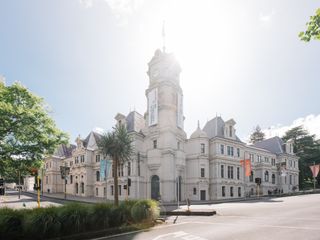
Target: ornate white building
(168, 165)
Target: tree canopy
(313, 28)
(27, 132)
(257, 135)
(307, 148)
(116, 144)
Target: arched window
(266, 176)
(97, 176)
(155, 187)
(273, 178)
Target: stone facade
(166, 164)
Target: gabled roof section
(64, 151)
(274, 145)
(92, 140)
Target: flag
(247, 166)
(105, 168)
(315, 170)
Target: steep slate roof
(274, 145)
(64, 151)
(215, 128)
(135, 122)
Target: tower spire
(163, 37)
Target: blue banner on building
(105, 167)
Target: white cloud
(99, 130)
(121, 9)
(86, 3)
(311, 123)
(266, 17)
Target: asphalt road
(291, 218)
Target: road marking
(179, 235)
(261, 225)
(138, 231)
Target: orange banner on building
(247, 166)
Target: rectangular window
(230, 131)
(71, 179)
(119, 187)
(71, 163)
(138, 164)
(82, 158)
(239, 191)
(104, 191)
(294, 164)
(223, 189)
(230, 172)
(203, 148)
(231, 191)
(222, 171)
(259, 158)
(238, 173)
(155, 143)
(129, 168)
(121, 168)
(238, 152)
(273, 161)
(231, 151)
(98, 158)
(194, 191)
(202, 172)
(266, 159)
(290, 163)
(97, 192)
(290, 179)
(111, 189)
(251, 157)
(222, 149)
(46, 179)
(228, 150)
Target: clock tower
(165, 137)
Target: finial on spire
(163, 37)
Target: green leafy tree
(116, 144)
(307, 148)
(27, 133)
(257, 135)
(313, 28)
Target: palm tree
(117, 145)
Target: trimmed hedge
(74, 218)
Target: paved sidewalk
(60, 196)
(11, 200)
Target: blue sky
(240, 59)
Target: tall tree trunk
(115, 167)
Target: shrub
(145, 211)
(11, 223)
(100, 216)
(74, 218)
(42, 223)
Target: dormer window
(230, 131)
